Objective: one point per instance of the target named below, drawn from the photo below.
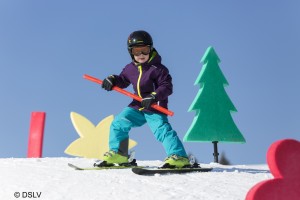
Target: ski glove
(148, 101)
(109, 83)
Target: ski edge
(102, 168)
(149, 171)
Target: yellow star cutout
(93, 141)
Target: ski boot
(112, 158)
(175, 161)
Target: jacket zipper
(139, 79)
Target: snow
(51, 178)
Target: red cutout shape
(283, 158)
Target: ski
(103, 165)
(100, 168)
(153, 171)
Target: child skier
(152, 82)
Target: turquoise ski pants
(158, 123)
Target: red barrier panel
(36, 135)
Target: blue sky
(47, 46)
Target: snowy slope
(52, 179)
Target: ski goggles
(138, 50)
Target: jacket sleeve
(121, 80)
(164, 84)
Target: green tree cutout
(213, 121)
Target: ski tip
(74, 167)
(138, 171)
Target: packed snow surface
(52, 178)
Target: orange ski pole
(120, 90)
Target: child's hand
(108, 83)
(147, 101)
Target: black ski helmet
(139, 38)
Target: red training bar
(120, 90)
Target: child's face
(142, 58)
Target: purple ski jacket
(147, 78)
